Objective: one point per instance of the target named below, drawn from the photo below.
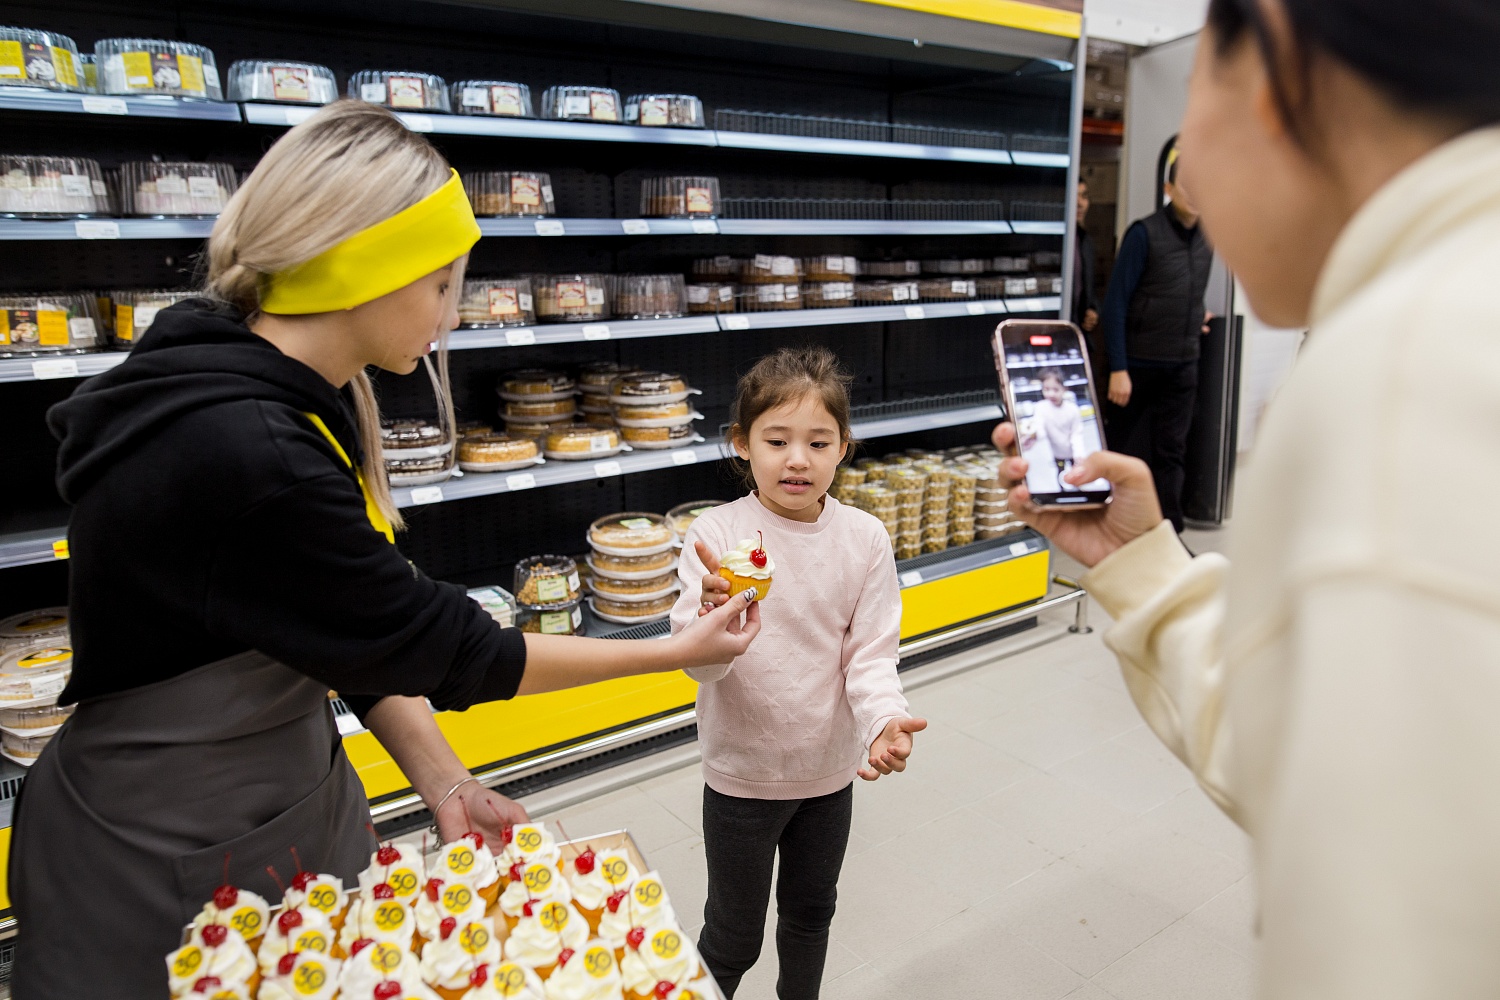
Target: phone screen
(1051, 399)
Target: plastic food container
(545, 411)
(44, 625)
(469, 428)
(768, 298)
(892, 268)
(135, 311)
(970, 265)
(281, 81)
(640, 388)
(571, 298)
(650, 296)
(400, 90)
(770, 269)
(496, 453)
(636, 591)
(513, 193)
(718, 267)
(710, 297)
(660, 438)
(39, 717)
(496, 302)
(632, 567)
(1047, 260)
(595, 377)
(156, 66)
(683, 515)
(632, 613)
(581, 442)
(656, 415)
(827, 294)
(30, 58)
(24, 750)
(1049, 284)
(43, 186)
(680, 197)
(664, 111)
(492, 97)
(406, 469)
(401, 439)
(1011, 265)
(631, 533)
(49, 324)
(830, 267)
(565, 620)
(947, 289)
(157, 189)
(886, 293)
(89, 72)
(582, 104)
(535, 385)
(34, 673)
(546, 581)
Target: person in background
(1085, 303)
(1153, 323)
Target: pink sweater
(794, 717)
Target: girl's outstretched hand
(1086, 535)
(891, 748)
(715, 587)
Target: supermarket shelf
(598, 227)
(862, 227)
(866, 147)
(857, 314)
(67, 366)
(24, 548)
(105, 229)
(1052, 303)
(1039, 228)
(21, 99)
(932, 420)
(1022, 159)
(571, 333)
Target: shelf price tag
(915, 312)
(60, 549)
(596, 331)
(1018, 548)
(54, 368)
(550, 227)
(686, 456)
(911, 578)
(636, 227)
(705, 227)
(296, 116)
(736, 322)
(427, 494)
(418, 123)
(606, 469)
(105, 106)
(520, 338)
(517, 481)
(976, 308)
(95, 229)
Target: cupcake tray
(623, 620)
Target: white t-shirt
(1063, 425)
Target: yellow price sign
(598, 962)
(615, 869)
(187, 962)
(648, 892)
(666, 944)
(247, 920)
(323, 898)
(390, 915)
(509, 980)
(529, 839)
(457, 898)
(403, 881)
(309, 978)
(554, 917)
(538, 879)
(474, 939)
(461, 860)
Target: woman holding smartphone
(233, 560)
(1335, 692)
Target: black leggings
(741, 838)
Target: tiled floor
(1042, 845)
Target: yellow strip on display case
(1007, 13)
(962, 597)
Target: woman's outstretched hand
(719, 635)
(481, 809)
(1087, 535)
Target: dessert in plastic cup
(748, 566)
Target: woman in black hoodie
(232, 562)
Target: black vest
(1165, 320)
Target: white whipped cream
(509, 981)
(737, 561)
(612, 872)
(449, 962)
(232, 962)
(312, 977)
(465, 861)
(646, 906)
(458, 900)
(591, 974)
(249, 915)
(325, 893)
(540, 880)
(539, 938)
(528, 842)
(665, 956)
(378, 919)
(314, 934)
(405, 876)
(374, 965)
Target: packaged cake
(830, 267)
(660, 438)
(683, 515)
(680, 197)
(891, 268)
(514, 193)
(156, 66)
(564, 620)
(416, 452)
(571, 298)
(948, 289)
(535, 385)
(884, 293)
(769, 297)
(632, 612)
(496, 302)
(500, 98)
(647, 567)
(49, 324)
(640, 388)
(34, 187)
(664, 111)
(722, 266)
(952, 265)
(30, 58)
(710, 297)
(496, 452)
(580, 442)
(135, 311)
(770, 269)
(400, 90)
(826, 294)
(42, 625)
(546, 581)
(157, 189)
(587, 104)
(632, 533)
(281, 81)
(649, 296)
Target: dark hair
(786, 376)
(1047, 373)
(1434, 56)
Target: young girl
(1058, 419)
(786, 726)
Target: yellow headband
(389, 255)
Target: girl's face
(1053, 392)
(399, 329)
(794, 451)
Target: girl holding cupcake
(786, 726)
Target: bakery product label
(190, 74)
(375, 93)
(594, 296)
(654, 111)
(12, 66)
(63, 69)
(575, 106)
(666, 944)
(572, 295)
(407, 92)
(312, 940)
(525, 191)
(137, 70)
(503, 302)
(554, 917)
(390, 915)
(289, 83)
(538, 877)
(556, 623)
(310, 978)
(602, 106)
(505, 99)
(700, 201)
(474, 938)
(458, 898)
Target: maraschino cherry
(360, 945)
(635, 936)
(434, 886)
(528, 909)
(476, 837)
(447, 927)
(287, 963)
(663, 989)
(387, 855)
(387, 990)
(225, 896)
(563, 956)
(584, 863)
(615, 900)
(289, 920)
(207, 983)
(758, 557)
(516, 872)
(478, 976)
(215, 935)
(383, 890)
(302, 880)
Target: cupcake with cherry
(748, 566)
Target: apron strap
(372, 511)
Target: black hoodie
(211, 517)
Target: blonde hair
(346, 168)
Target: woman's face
(1263, 203)
(398, 329)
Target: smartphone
(1048, 389)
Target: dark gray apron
(124, 821)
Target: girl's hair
(786, 376)
(1433, 56)
(1052, 373)
(345, 169)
